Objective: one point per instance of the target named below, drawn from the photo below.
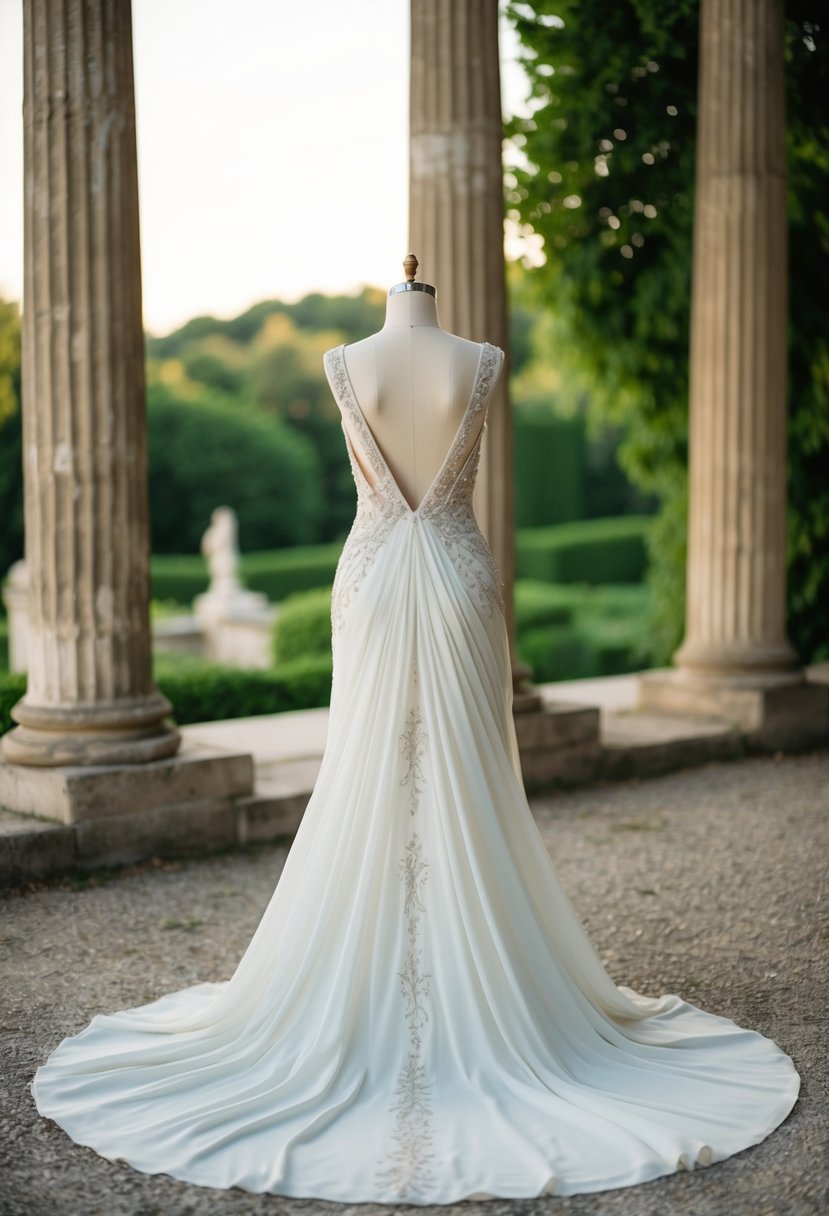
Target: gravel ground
(708, 883)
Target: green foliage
(286, 380)
(12, 688)
(353, 316)
(11, 444)
(564, 631)
(178, 577)
(269, 360)
(210, 692)
(807, 72)
(587, 551)
(202, 455)
(574, 631)
(549, 468)
(303, 626)
(605, 176)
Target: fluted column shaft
(90, 696)
(735, 622)
(456, 219)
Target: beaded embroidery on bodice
(446, 505)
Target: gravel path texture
(710, 883)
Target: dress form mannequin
(413, 381)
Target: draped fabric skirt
(419, 1015)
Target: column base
(122, 814)
(774, 711)
(128, 732)
(737, 661)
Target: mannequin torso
(413, 381)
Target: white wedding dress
(420, 1016)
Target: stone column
(90, 696)
(735, 644)
(456, 222)
(737, 523)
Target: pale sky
(272, 149)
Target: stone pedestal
(190, 802)
(735, 660)
(240, 639)
(786, 711)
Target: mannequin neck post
(407, 308)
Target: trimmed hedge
(550, 458)
(284, 571)
(573, 631)
(277, 572)
(210, 692)
(585, 551)
(564, 632)
(303, 625)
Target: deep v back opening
(378, 450)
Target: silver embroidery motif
(414, 743)
(407, 1164)
(451, 511)
(377, 509)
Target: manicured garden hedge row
(573, 631)
(564, 632)
(585, 551)
(208, 692)
(277, 572)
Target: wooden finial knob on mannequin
(410, 265)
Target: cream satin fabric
(419, 1016)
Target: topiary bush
(303, 626)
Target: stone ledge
(569, 743)
(264, 819)
(74, 794)
(557, 724)
(30, 848)
(639, 744)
